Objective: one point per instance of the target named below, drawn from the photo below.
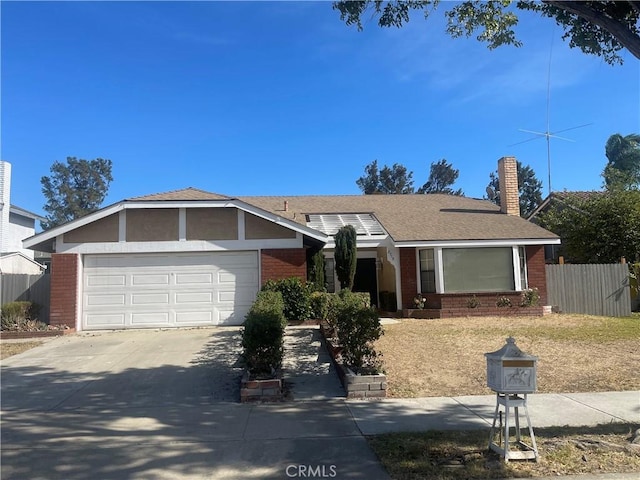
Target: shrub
(530, 298)
(503, 302)
(473, 302)
(15, 315)
(320, 304)
(296, 296)
(358, 328)
(263, 334)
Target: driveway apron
(164, 404)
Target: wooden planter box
(254, 390)
(356, 386)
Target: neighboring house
(18, 262)
(16, 224)
(559, 200)
(190, 257)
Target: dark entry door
(365, 279)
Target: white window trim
(439, 268)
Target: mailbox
(510, 370)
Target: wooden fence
(32, 288)
(595, 289)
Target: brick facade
(509, 193)
(64, 303)
(408, 276)
(283, 263)
(536, 270)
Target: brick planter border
(268, 390)
(356, 386)
(36, 335)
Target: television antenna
(548, 134)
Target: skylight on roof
(329, 224)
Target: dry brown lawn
(7, 348)
(576, 353)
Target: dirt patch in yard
(576, 353)
(10, 348)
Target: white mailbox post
(511, 373)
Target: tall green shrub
(263, 334)
(316, 273)
(358, 328)
(296, 296)
(346, 256)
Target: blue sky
(282, 98)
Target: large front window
(478, 269)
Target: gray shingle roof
(407, 218)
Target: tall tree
(623, 166)
(597, 28)
(529, 189)
(389, 180)
(600, 229)
(442, 176)
(74, 189)
(346, 256)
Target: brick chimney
(508, 176)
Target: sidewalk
(476, 412)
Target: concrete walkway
(163, 405)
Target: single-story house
(190, 257)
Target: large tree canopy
(389, 180)
(601, 229)
(596, 28)
(442, 176)
(529, 188)
(74, 189)
(623, 166)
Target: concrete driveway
(163, 404)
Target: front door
(365, 279)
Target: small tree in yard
(263, 334)
(316, 272)
(345, 256)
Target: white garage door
(168, 290)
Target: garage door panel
(194, 297)
(168, 290)
(105, 280)
(105, 300)
(150, 299)
(149, 279)
(106, 321)
(150, 319)
(191, 318)
(194, 279)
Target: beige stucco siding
(212, 224)
(152, 225)
(103, 230)
(257, 228)
(387, 272)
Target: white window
(427, 271)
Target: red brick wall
(536, 271)
(408, 276)
(283, 263)
(64, 289)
